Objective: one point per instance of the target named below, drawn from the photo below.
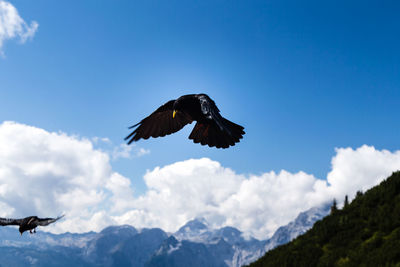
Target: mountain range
(194, 244)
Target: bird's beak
(173, 114)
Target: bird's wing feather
(47, 221)
(7, 221)
(159, 123)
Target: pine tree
(346, 201)
(334, 206)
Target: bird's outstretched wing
(159, 123)
(47, 221)
(7, 221)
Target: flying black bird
(211, 128)
(29, 223)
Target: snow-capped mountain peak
(304, 221)
(196, 230)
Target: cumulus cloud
(256, 204)
(47, 174)
(360, 169)
(13, 26)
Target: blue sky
(303, 78)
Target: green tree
(334, 206)
(346, 202)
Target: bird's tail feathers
(212, 135)
(235, 130)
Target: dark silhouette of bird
(29, 223)
(211, 128)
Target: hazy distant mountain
(299, 226)
(194, 244)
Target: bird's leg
(34, 230)
(30, 231)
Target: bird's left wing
(159, 123)
(47, 221)
(7, 221)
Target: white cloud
(97, 139)
(122, 193)
(141, 152)
(48, 174)
(362, 168)
(122, 151)
(125, 151)
(257, 205)
(13, 26)
(202, 187)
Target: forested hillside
(365, 232)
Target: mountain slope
(195, 244)
(185, 253)
(304, 221)
(364, 233)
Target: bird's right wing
(159, 123)
(7, 221)
(47, 221)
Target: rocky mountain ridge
(194, 244)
